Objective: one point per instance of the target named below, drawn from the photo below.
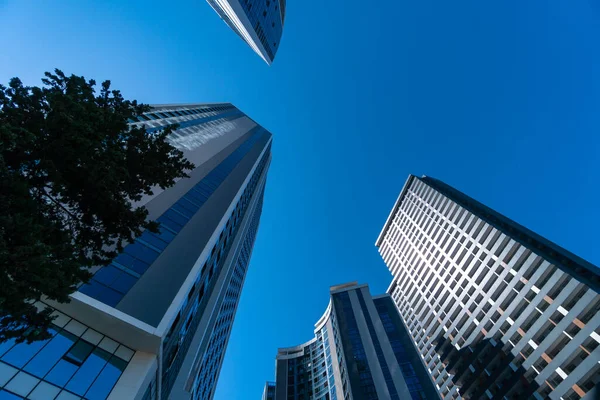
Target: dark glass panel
(169, 223)
(178, 218)
(165, 234)
(188, 205)
(141, 252)
(192, 201)
(124, 282)
(182, 210)
(101, 293)
(154, 240)
(196, 197)
(107, 275)
(79, 352)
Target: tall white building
(495, 310)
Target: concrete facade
(357, 353)
(154, 324)
(495, 310)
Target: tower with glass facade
(258, 22)
(154, 324)
(495, 310)
(360, 351)
(269, 391)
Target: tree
(70, 168)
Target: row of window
(267, 24)
(76, 362)
(425, 210)
(110, 284)
(179, 112)
(393, 334)
(310, 377)
(213, 357)
(178, 339)
(211, 123)
(382, 362)
(347, 319)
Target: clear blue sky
(499, 99)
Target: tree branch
(57, 203)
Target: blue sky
(499, 99)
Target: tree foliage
(70, 169)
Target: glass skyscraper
(154, 324)
(258, 22)
(361, 351)
(269, 391)
(495, 310)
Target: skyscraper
(155, 323)
(360, 351)
(258, 22)
(269, 391)
(495, 310)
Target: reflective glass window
(4, 395)
(153, 240)
(169, 223)
(187, 205)
(20, 354)
(6, 373)
(165, 234)
(50, 354)
(209, 183)
(22, 383)
(182, 210)
(44, 391)
(131, 263)
(107, 275)
(79, 352)
(203, 190)
(64, 395)
(88, 372)
(124, 282)
(141, 252)
(5, 346)
(195, 196)
(102, 293)
(176, 217)
(107, 379)
(193, 200)
(61, 373)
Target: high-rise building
(361, 351)
(495, 310)
(154, 324)
(269, 391)
(258, 22)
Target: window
(78, 353)
(191, 293)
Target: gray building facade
(154, 324)
(361, 350)
(495, 310)
(258, 22)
